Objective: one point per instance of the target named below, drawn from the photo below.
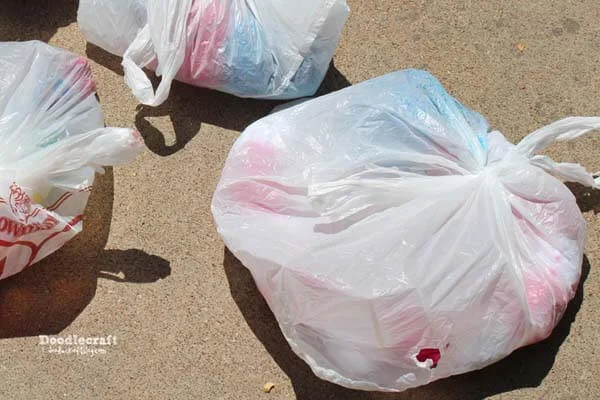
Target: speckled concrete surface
(151, 270)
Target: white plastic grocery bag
(277, 49)
(396, 238)
(52, 141)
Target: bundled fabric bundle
(396, 238)
(273, 49)
(53, 141)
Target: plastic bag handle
(95, 149)
(560, 131)
(162, 39)
(348, 197)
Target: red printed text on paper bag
(29, 232)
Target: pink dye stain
(207, 30)
(257, 159)
(80, 75)
(429, 354)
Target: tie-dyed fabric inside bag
(53, 140)
(274, 49)
(397, 239)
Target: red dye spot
(137, 137)
(429, 354)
